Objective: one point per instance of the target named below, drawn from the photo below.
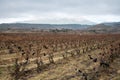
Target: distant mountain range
(113, 27)
(42, 26)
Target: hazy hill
(113, 27)
(41, 26)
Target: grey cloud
(17, 8)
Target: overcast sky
(59, 11)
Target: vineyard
(34, 56)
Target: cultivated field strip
(36, 58)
